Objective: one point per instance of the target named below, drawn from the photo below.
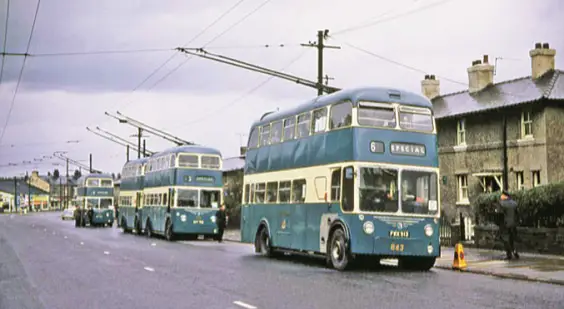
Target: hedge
(542, 206)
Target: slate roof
(62, 180)
(508, 93)
(7, 186)
(233, 164)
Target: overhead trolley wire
(21, 72)
(5, 40)
(156, 70)
(251, 91)
(209, 42)
(370, 24)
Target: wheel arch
(262, 224)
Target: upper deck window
(341, 115)
(188, 160)
(265, 135)
(93, 183)
(319, 123)
(254, 138)
(106, 183)
(303, 124)
(376, 115)
(416, 118)
(289, 128)
(210, 162)
(276, 136)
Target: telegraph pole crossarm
(245, 65)
(110, 138)
(320, 45)
(122, 140)
(59, 155)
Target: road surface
(47, 263)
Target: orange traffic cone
(459, 260)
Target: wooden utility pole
(321, 37)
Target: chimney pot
(480, 75)
(430, 87)
(542, 59)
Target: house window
(462, 188)
(526, 125)
(536, 178)
(461, 132)
(520, 180)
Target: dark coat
(508, 208)
(221, 219)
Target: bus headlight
(368, 227)
(183, 218)
(213, 219)
(428, 230)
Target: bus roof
(189, 149)
(377, 94)
(136, 161)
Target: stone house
(470, 126)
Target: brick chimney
(542, 59)
(480, 75)
(430, 87)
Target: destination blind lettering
(408, 149)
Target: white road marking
(65, 237)
(81, 243)
(106, 252)
(153, 244)
(242, 304)
(44, 230)
(149, 269)
(53, 233)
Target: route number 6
(374, 146)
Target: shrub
(542, 206)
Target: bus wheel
(148, 229)
(417, 263)
(339, 255)
(124, 226)
(263, 243)
(169, 234)
(137, 226)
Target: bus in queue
(347, 175)
(130, 201)
(95, 200)
(183, 188)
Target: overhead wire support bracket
(122, 140)
(252, 67)
(140, 125)
(59, 155)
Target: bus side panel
(313, 219)
(247, 234)
(298, 225)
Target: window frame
(330, 116)
(461, 132)
(527, 122)
(461, 189)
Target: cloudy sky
(385, 43)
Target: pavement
(530, 267)
(47, 263)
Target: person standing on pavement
(508, 224)
(221, 221)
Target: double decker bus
(183, 188)
(131, 195)
(95, 199)
(347, 175)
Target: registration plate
(399, 234)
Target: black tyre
(169, 234)
(263, 243)
(148, 229)
(124, 226)
(338, 252)
(137, 226)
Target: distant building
(8, 188)
(470, 130)
(233, 174)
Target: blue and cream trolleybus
(183, 188)
(131, 195)
(95, 200)
(347, 175)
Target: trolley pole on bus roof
(321, 37)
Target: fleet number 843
(396, 247)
